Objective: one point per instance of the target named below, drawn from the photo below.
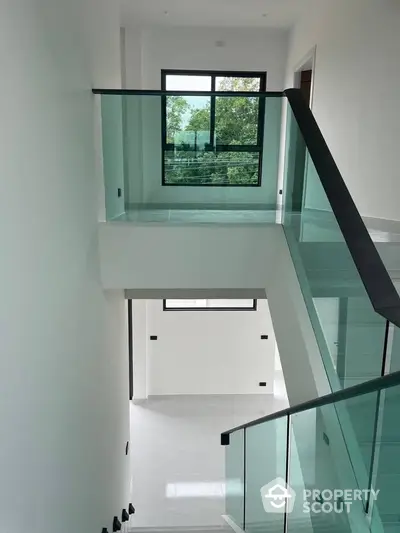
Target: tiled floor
(315, 226)
(199, 216)
(177, 462)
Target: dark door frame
(130, 348)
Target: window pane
(188, 117)
(187, 82)
(237, 168)
(185, 303)
(188, 121)
(190, 167)
(233, 83)
(236, 120)
(209, 304)
(231, 303)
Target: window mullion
(212, 112)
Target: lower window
(211, 168)
(210, 305)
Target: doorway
(305, 84)
(303, 79)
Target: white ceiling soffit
(213, 13)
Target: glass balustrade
(313, 468)
(349, 331)
(183, 156)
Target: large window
(210, 305)
(213, 140)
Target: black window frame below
(191, 309)
(218, 148)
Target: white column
(139, 317)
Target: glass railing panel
(334, 472)
(392, 354)
(357, 419)
(386, 469)
(321, 472)
(234, 476)
(113, 155)
(266, 449)
(173, 157)
(312, 471)
(350, 333)
(387, 242)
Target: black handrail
(375, 277)
(385, 382)
(155, 92)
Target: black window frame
(258, 148)
(191, 309)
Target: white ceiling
(217, 13)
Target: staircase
(349, 439)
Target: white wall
(148, 50)
(356, 85)
(63, 412)
(207, 256)
(140, 343)
(209, 352)
(133, 58)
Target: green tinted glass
(234, 478)
(166, 153)
(320, 472)
(266, 448)
(386, 468)
(349, 332)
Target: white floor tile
(177, 461)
